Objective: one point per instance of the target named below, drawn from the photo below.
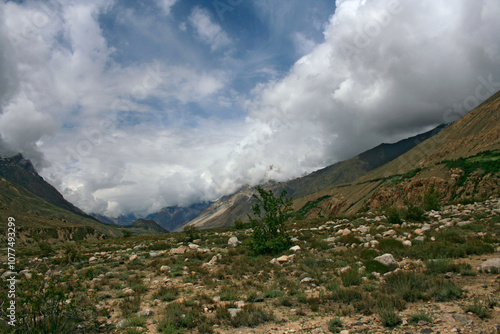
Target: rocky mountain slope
(460, 162)
(173, 217)
(20, 171)
(149, 225)
(37, 220)
(228, 208)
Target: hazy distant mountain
(123, 220)
(228, 208)
(149, 225)
(174, 216)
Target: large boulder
(233, 242)
(386, 259)
(492, 265)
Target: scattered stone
(121, 324)
(345, 331)
(461, 318)
(139, 247)
(193, 246)
(295, 248)
(145, 313)
(233, 242)
(153, 254)
(283, 258)
(407, 243)
(306, 280)
(464, 223)
(386, 260)
(179, 250)
(234, 311)
(128, 291)
(420, 238)
(212, 261)
(389, 233)
(92, 259)
(132, 258)
(258, 299)
(165, 269)
(240, 304)
(216, 299)
(492, 265)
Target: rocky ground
(368, 273)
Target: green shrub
(270, 235)
(335, 324)
(431, 200)
(480, 307)
(393, 216)
(53, 306)
(413, 213)
(251, 316)
(178, 316)
(389, 317)
(166, 293)
(350, 277)
(191, 233)
(415, 318)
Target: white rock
(306, 280)
(233, 242)
(283, 258)
(92, 259)
(386, 259)
(132, 258)
(295, 248)
(389, 233)
(128, 291)
(153, 254)
(165, 269)
(234, 311)
(491, 265)
(407, 243)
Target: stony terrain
(366, 273)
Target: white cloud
(166, 5)
(208, 31)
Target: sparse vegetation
(269, 231)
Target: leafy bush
(413, 213)
(334, 325)
(350, 277)
(270, 235)
(431, 200)
(191, 232)
(480, 307)
(393, 216)
(415, 318)
(52, 306)
(389, 317)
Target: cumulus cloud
(207, 30)
(166, 5)
(135, 137)
(387, 69)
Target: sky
(130, 106)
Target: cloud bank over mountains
(129, 109)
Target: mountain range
(459, 161)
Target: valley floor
(438, 273)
